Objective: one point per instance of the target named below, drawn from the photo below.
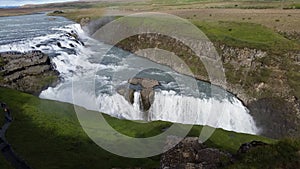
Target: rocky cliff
(29, 72)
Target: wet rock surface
(146, 89)
(127, 93)
(29, 72)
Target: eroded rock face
(276, 117)
(127, 93)
(191, 154)
(29, 72)
(147, 96)
(147, 91)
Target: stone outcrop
(190, 154)
(58, 12)
(127, 93)
(276, 117)
(29, 72)
(146, 88)
(258, 79)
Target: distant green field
(180, 1)
(48, 135)
(197, 1)
(246, 35)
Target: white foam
(168, 106)
(136, 103)
(223, 113)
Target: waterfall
(229, 115)
(81, 59)
(137, 100)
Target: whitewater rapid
(90, 77)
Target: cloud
(23, 2)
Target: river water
(91, 71)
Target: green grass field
(48, 135)
(249, 35)
(284, 154)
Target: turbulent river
(87, 68)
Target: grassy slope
(47, 135)
(284, 154)
(246, 35)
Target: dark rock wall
(29, 72)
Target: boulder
(58, 12)
(189, 153)
(147, 92)
(146, 89)
(144, 82)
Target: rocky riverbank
(30, 72)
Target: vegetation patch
(249, 35)
(293, 6)
(294, 80)
(45, 81)
(1, 62)
(284, 154)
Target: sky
(23, 2)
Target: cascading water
(229, 115)
(136, 102)
(95, 75)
